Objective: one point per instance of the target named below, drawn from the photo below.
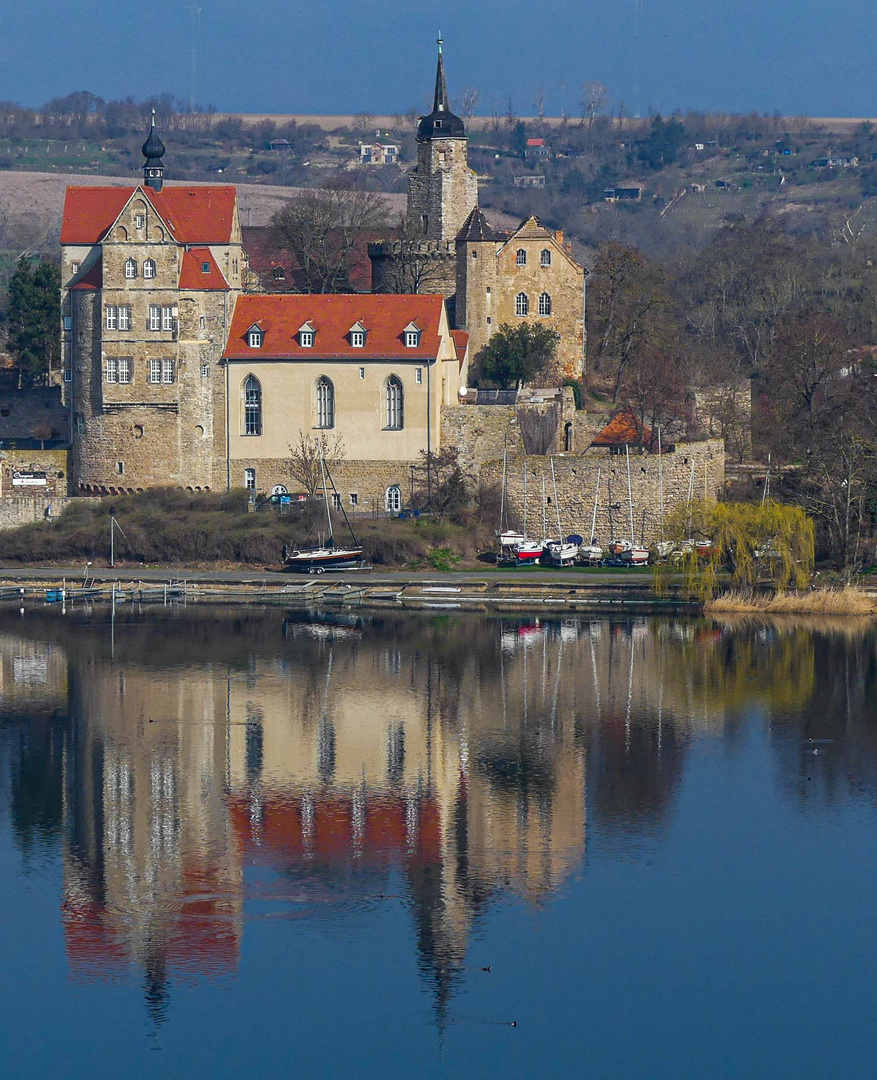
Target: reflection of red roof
(199, 270)
(332, 317)
(623, 430)
(92, 278)
(194, 215)
(461, 340)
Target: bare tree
(595, 98)
(469, 99)
(320, 229)
(413, 268)
(539, 106)
(305, 464)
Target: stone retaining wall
(27, 510)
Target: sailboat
(508, 538)
(633, 554)
(528, 551)
(592, 553)
(317, 560)
(561, 552)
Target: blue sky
(346, 56)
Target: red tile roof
(92, 278)
(535, 142)
(383, 316)
(194, 215)
(623, 430)
(264, 257)
(194, 276)
(461, 341)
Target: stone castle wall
(576, 477)
(367, 480)
(54, 463)
(425, 266)
(26, 510)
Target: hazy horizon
(338, 59)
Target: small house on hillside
(624, 430)
(378, 153)
(537, 149)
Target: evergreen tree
(518, 354)
(33, 319)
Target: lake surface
(246, 844)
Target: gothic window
(522, 304)
(149, 269)
(252, 406)
(393, 499)
(520, 257)
(545, 257)
(544, 304)
(130, 268)
(395, 403)
(325, 403)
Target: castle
(488, 278)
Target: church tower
(442, 189)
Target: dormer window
(357, 336)
(411, 336)
(149, 269)
(130, 268)
(306, 336)
(254, 337)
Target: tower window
(252, 408)
(522, 304)
(520, 257)
(545, 257)
(149, 269)
(544, 304)
(395, 403)
(325, 402)
(130, 268)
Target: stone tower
(477, 245)
(442, 193)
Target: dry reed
(846, 601)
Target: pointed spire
(440, 100)
(153, 151)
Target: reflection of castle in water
(229, 758)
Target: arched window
(395, 401)
(130, 268)
(545, 257)
(522, 304)
(520, 257)
(393, 499)
(567, 437)
(149, 268)
(544, 304)
(325, 403)
(252, 406)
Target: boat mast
(326, 497)
(525, 499)
(544, 526)
(594, 516)
(661, 483)
(505, 462)
(341, 505)
(629, 491)
(556, 503)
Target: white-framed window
(68, 374)
(112, 317)
(124, 369)
(250, 479)
(544, 303)
(112, 369)
(306, 339)
(412, 339)
(522, 304)
(205, 371)
(336, 501)
(394, 401)
(252, 406)
(74, 268)
(154, 317)
(124, 318)
(545, 257)
(254, 337)
(325, 402)
(168, 370)
(167, 318)
(362, 373)
(202, 323)
(357, 339)
(393, 499)
(418, 375)
(149, 269)
(354, 498)
(130, 268)
(155, 370)
(140, 223)
(520, 257)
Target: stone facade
(442, 189)
(50, 465)
(25, 510)
(365, 487)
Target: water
(244, 844)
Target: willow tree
(766, 543)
